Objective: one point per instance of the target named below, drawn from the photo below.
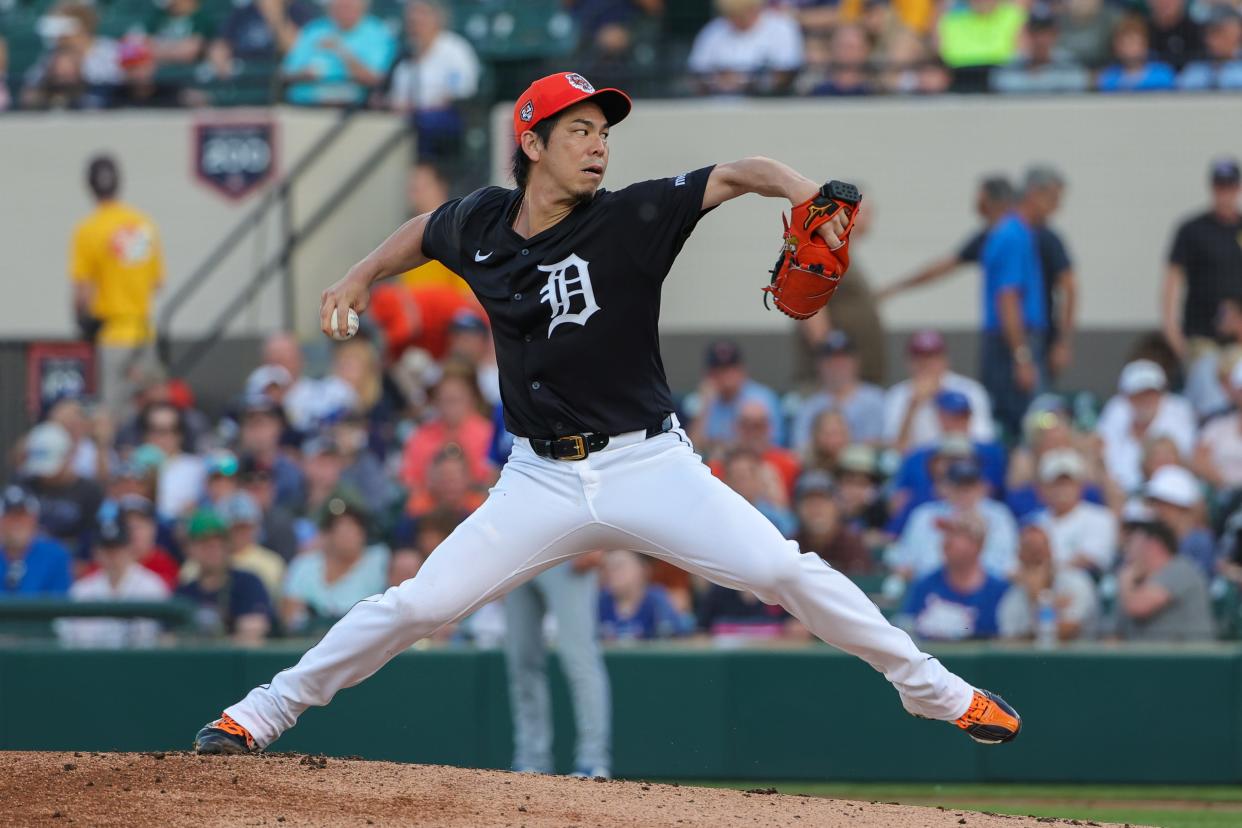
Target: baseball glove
(807, 272)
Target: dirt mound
(180, 789)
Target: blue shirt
(1010, 260)
(940, 612)
(370, 42)
(1204, 74)
(1152, 77)
(655, 617)
(914, 477)
(720, 419)
(43, 570)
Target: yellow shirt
(434, 273)
(117, 251)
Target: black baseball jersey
(575, 308)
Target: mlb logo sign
(528, 111)
(234, 159)
(579, 82)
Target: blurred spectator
(993, 200)
(746, 49)
(180, 31)
(735, 615)
(716, 406)
(1045, 187)
(229, 602)
(1045, 429)
(1208, 375)
(259, 30)
(830, 437)
(909, 406)
(1141, 411)
(915, 481)
(418, 315)
(67, 503)
(1087, 30)
(1162, 596)
(861, 403)
(1040, 577)
(243, 516)
(116, 265)
(1218, 457)
(630, 607)
(858, 491)
(1015, 310)
(79, 69)
(1134, 70)
(5, 100)
(361, 470)
(822, 529)
(276, 532)
(470, 342)
(905, 53)
(754, 433)
(457, 421)
(1175, 495)
(262, 423)
(338, 58)
(980, 33)
(1044, 67)
(137, 513)
(1176, 37)
(760, 485)
(435, 72)
(1203, 264)
(1081, 534)
(1221, 67)
(322, 464)
(222, 482)
(609, 31)
(959, 600)
(92, 433)
(324, 583)
(921, 548)
(306, 401)
(356, 363)
(119, 578)
(842, 70)
(183, 476)
(449, 486)
(30, 563)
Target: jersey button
(535, 385)
(517, 297)
(527, 338)
(525, 251)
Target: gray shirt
(1187, 616)
(1016, 614)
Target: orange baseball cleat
(224, 735)
(990, 720)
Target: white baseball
(353, 325)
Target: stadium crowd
(314, 490)
(406, 55)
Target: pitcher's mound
(145, 790)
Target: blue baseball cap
(953, 402)
(18, 498)
(836, 342)
(964, 471)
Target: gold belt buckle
(580, 447)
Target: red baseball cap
(554, 93)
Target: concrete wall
(42, 159)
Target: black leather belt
(579, 446)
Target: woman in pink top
(455, 402)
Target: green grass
(1165, 806)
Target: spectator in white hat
(1176, 497)
(68, 502)
(1081, 534)
(1218, 458)
(1141, 410)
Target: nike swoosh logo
(480, 256)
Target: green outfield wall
(1091, 715)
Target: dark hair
(1160, 532)
(103, 176)
(521, 161)
(997, 188)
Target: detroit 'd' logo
(568, 287)
(579, 82)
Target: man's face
(422, 21)
(242, 535)
(742, 476)
(625, 573)
(454, 400)
(17, 528)
(575, 157)
(449, 479)
(1033, 548)
(1063, 494)
(1223, 39)
(961, 549)
(282, 349)
(953, 422)
(346, 535)
(838, 370)
(855, 490)
(323, 470)
(1145, 405)
(141, 531)
(260, 432)
(753, 426)
(819, 513)
(728, 380)
(211, 553)
(164, 431)
(346, 13)
(923, 365)
(965, 495)
(1130, 47)
(1042, 41)
(1225, 198)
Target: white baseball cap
(1141, 375)
(1062, 463)
(1136, 510)
(47, 450)
(1174, 485)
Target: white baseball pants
(653, 496)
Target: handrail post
(287, 284)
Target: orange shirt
(419, 317)
(474, 436)
(784, 461)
